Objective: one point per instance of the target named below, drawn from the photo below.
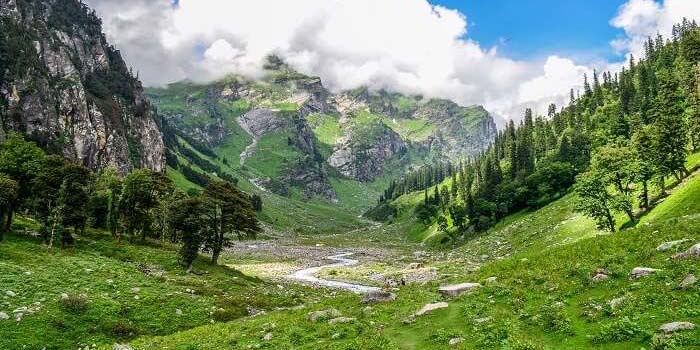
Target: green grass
(326, 128)
(106, 272)
(684, 201)
(543, 298)
(272, 154)
(411, 129)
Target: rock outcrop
(363, 158)
(66, 88)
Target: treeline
(624, 136)
(65, 198)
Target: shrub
(74, 303)
(124, 329)
(618, 331)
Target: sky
(504, 54)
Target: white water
(309, 275)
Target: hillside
(63, 86)
(288, 135)
(543, 295)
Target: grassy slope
(106, 272)
(543, 298)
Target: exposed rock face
(70, 91)
(673, 327)
(365, 161)
(457, 289)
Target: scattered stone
(668, 245)
(457, 289)
(318, 315)
(491, 280)
(4, 316)
(367, 310)
(688, 281)
(428, 308)
(267, 336)
(600, 275)
(178, 312)
(692, 252)
(341, 320)
(10, 293)
(673, 327)
(455, 341)
(110, 281)
(415, 266)
(639, 272)
(121, 347)
(481, 320)
(135, 290)
(378, 296)
(64, 296)
(616, 303)
(336, 336)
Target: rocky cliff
(65, 87)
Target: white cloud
(641, 19)
(408, 46)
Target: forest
(65, 198)
(616, 145)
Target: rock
(428, 308)
(616, 303)
(455, 341)
(481, 320)
(336, 336)
(135, 290)
(457, 289)
(672, 327)
(318, 315)
(121, 347)
(64, 296)
(367, 310)
(341, 320)
(668, 245)
(267, 336)
(178, 312)
(692, 252)
(4, 316)
(378, 296)
(600, 275)
(415, 266)
(10, 293)
(491, 280)
(638, 272)
(688, 281)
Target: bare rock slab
(639, 272)
(692, 253)
(673, 327)
(688, 281)
(457, 289)
(428, 308)
(323, 314)
(668, 245)
(378, 296)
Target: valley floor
(536, 272)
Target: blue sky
(534, 29)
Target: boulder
(323, 314)
(638, 272)
(267, 336)
(341, 320)
(10, 293)
(415, 266)
(455, 341)
(692, 252)
(616, 303)
(668, 245)
(457, 289)
(688, 281)
(428, 308)
(672, 327)
(4, 316)
(378, 296)
(491, 280)
(600, 275)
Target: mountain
(65, 87)
(287, 133)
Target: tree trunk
(8, 222)
(630, 214)
(215, 255)
(645, 194)
(611, 222)
(189, 267)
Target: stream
(308, 275)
